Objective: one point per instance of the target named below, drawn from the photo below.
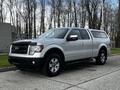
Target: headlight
(35, 48)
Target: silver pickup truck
(57, 46)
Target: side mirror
(72, 38)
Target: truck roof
(80, 28)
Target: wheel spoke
(54, 65)
(102, 57)
(50, 65)
(56, 60)
(55, 69)
(52, 69)
(58, 65)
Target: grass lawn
(4, 61)
(116, 51)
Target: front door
(73, 48)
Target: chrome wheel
(103, 57)
(54, 65)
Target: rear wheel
(53, 65)
(102, 57)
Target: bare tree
(69, 13)
(1, 11)
(53, 13)
(34, 12)
(42, 23)
(23, 17)
(28, 17)
(75, 13)
(82, 13)
(92, 7)
(51, 18)
(58, 6)
(118, 30)
(10, 5)
(23, 14)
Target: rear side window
(98, 34)
(84, 34)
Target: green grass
(115, 51)
(4, 61)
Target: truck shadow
(79, 66)
(69, 68)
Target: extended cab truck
(55, 47)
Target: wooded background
(33, 17)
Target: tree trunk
(35, 7)
(75, 14)
(118, 31)
(42, 23)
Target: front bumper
(26, 62)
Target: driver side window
(75, 32)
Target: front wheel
(53, 65)
(102, 57)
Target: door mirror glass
(72, 38)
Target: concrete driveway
(82, 76)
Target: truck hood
(25, 40)
(42, 41)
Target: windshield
(55, 33)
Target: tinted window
(98, 34)
(55, 33)
(75, 32)
(84, 34)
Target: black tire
(102, 57)
(53, 65)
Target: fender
(100, 46)
(50, 47)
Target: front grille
(20, 48)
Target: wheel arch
(103, 47)
(55, 50)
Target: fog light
(33, 62)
